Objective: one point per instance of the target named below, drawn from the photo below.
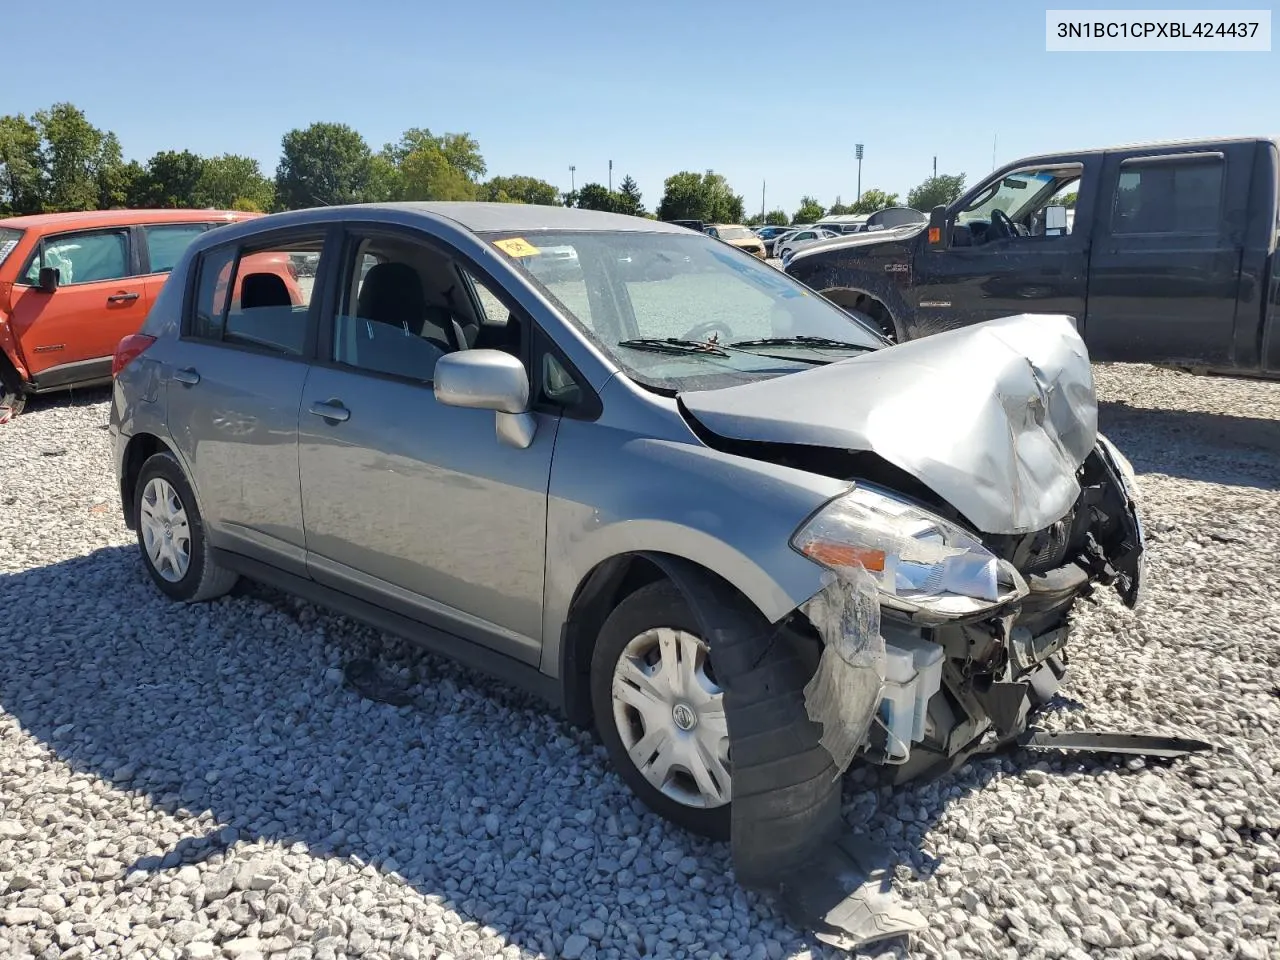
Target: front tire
(171, 534)
(660, 711)
(12, 396)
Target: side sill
(447, 645)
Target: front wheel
(171, 534)
(12, 397)
(660, 710)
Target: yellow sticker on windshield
(517, 247)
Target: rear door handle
(122, 297)
(332, 410)
(187, 375)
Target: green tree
(426, 174)
(172, 179)
(1067, 200)
(810, 210)
(596, 196)
(936, 191)
(520, 189)
(755, 220)
(629, 198)
(874, 199)
(840, 208)
(114, 177)
(700, 196)
(76, 158)
(777, 218)
(118, 184)
(21, 189)
(231, 178)
(323, 165)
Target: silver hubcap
(669, 711)
(166, 535)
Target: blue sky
(759, 91)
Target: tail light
(128, 350)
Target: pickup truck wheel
(660, 711)
(171, 534)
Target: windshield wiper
(674, 345)
(800, 341)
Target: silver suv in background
(663, 485)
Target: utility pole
(935, 166)
(572, 188)
(995, 138)
(611, 176)
(857, 150)
(762, 186)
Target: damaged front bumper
(911, 697)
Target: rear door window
(1168, 195)
(252, 297)
(82, 257)
(167, 242)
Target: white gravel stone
(183, 778)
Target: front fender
(9, 346)
(613, 493)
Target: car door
(1165, 270)
(408, 503)
(69, 334)
(981, 276)
(234, 385)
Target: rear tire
(658, 618)
(171, 534)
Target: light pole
(572, 188)
(857, 152)
(611, 176)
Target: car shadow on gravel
(233, 717)
(1195, 445)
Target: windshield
(8, 240)
(735, 233)
(625, 287)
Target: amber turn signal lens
(844, 555)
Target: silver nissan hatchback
(641, 473)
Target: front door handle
(187, 375)
(122, 297)
(331, 410)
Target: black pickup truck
(1169, 257)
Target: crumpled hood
(995, 418)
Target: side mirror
(1055, 221)
(50, 277)
(939, 236)
(489, 380)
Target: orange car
(72, 285)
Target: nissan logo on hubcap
(684, 716)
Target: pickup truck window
(1168, 197)
(1021, 197)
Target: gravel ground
(196, 782)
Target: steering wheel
(701, 330)
(1004, 226)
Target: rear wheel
(660, 710)
(171, 534)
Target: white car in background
(789, 244)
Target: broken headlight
(920, 561)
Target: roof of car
(116, 218)
(482, 217)
(1145, 146)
